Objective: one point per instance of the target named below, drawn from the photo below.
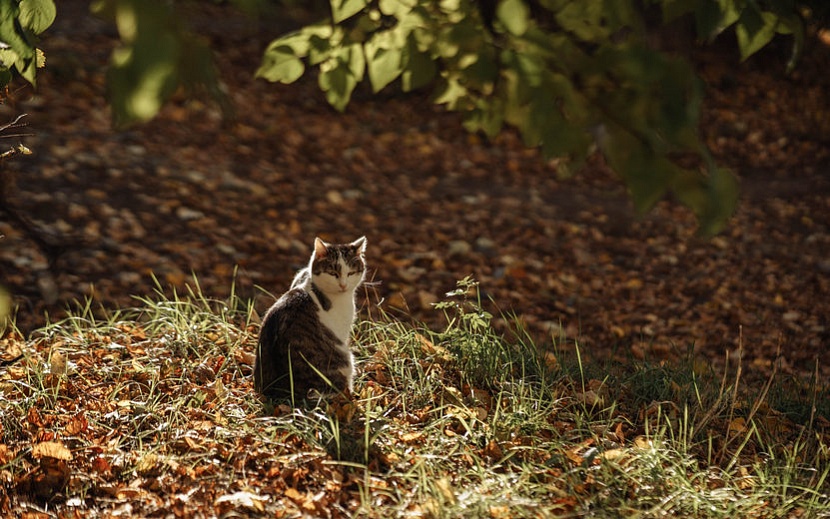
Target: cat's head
(338, 267)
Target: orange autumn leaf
(51, 449)
(77, 425)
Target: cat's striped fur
(304, 339)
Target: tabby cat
(304, 340)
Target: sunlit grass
(155, 408)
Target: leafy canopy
(20, 22)
(157, 56)
(569, 75)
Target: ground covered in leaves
(243, 200)
(149, 413)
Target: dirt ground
(191, 194)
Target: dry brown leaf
(10, 351)
(57, 363)
(619, 433)
(590, 398)
(77, 424)
(244, 357)
(50, 478)
(737, 425)
(641, 442)
(551, 362)
(412, 437)
(6, 454)
(51, 449)
(613, 454)
(445, 487)
(242, 499)
(34, 418)
(493, 451)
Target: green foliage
(567, 75)
(570, 76)
(20, 22)
(755, 22)
(483, 357)
(157, 56)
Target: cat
(304, 339)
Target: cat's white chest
(340, 317)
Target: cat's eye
(352, 273)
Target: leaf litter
(158, 416)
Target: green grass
(151, 410)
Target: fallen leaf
(590, 398)
(10, 351)
(6, 454)
(47, 480)
(613, 454)
(445, 487)
(101, 465)
(57, 363)
(77, 424)
(551, 362)
(34, 418)
(493, 451)
(412, 437)
(51, 449)
(737, 425)
(242, 499)
(500, 512)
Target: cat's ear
(320, 249)
(359, 244)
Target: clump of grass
(156, 411)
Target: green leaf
(514, 15)
(794, 25)
(339, 76)
(157, 55)
(396, 8)
(320, 48)
(384, 60)
(673, 9)
(723, 198)
(647, 175)
(418, 68)
(20, 52)
(37, 15)
(754, 30)
(143, 72)
(487, 117)
(141, 78)
(5, 76)
(338, 84)
(584, 18)
(709, 20)
(344, 9)
(545, 125)
(452, 94)
(712, 198)
(356, 61)
(279, 64)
